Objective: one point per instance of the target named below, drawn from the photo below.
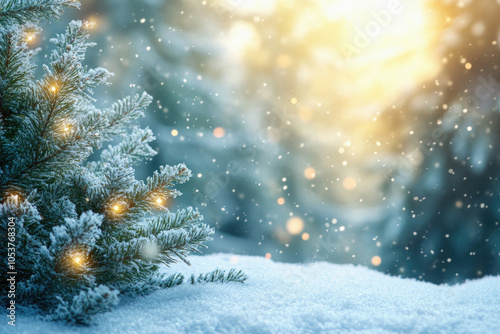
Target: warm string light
(118, 207)
(30, 35)
(89, 25)
(77, 258)
(160, 200)
(13, 195)
(65, 127)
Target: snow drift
(291, 298)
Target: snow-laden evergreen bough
(80, 232)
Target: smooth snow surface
(292, 298)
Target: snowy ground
(291, 298)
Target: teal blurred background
(363, 133)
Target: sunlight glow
(334, 67)
(353, 57)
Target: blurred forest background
(361, 132)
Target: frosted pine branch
(22, 11)
(220, 276)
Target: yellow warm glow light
(340, 71)
(89, 24)
(306, 114)
(284, 61)
(376, 261)
(295, 225)
(305, 236)
(77, 258)
(14, 198)
(310, 173)
(118, 207)
(53, 88)
(174, 132)
(351, 59)
(349, 183)
(281, 201)
(219, 132)
(30, 37)
(159, 200)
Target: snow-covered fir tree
(80, 229)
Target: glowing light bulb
(30, 37)
(77, 259)
(118, 207)
(53, 88)
(66, 129)
(159, 200)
